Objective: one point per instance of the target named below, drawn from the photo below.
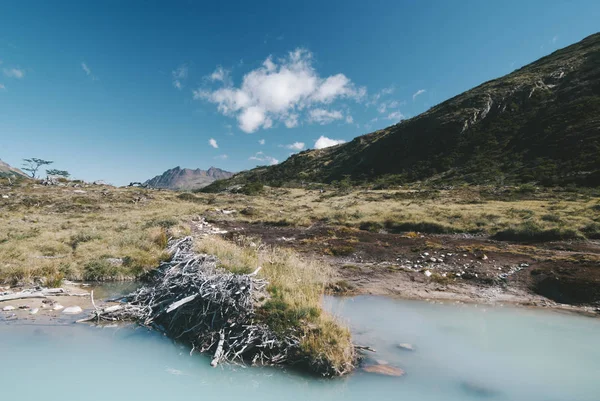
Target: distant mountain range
(187, 179)
(540, 123)
(7, 170)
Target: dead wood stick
(219, 351)
(183, 301)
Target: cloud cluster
(296, 146)
(212, 142)
(14, 73)
(261, 141)
(322, 116)
(88, 71)
(417, 93)
(261, 157)
(279, 91)
(324, 142)
(179, 75)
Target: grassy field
(48, 234)
(106, 233)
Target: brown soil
(466, 268)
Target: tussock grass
(294, 297)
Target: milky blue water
(462, 353)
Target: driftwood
(193, 301)
(42, 293)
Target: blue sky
(121, 91)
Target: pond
(462, 352)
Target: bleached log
(183, 301)
(219, 351)
(21, 295)
(255, 272)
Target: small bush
(81, 237)
(341, 250)
(422, 226)
(530, 231)
(100, 269)
(551, 218)
(164, 223)
(253, 189)
(186, 196)
(592, 230)
(371, 226)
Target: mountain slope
(540, 123)
(8, 170)
(187, 179)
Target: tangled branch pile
(193, 301)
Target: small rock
(484, 257)
(58, 307)
(8, 308)
(24, 307)
(433, 260)
(427, 273)
(34, 311)
(387, 370)
(426, 254)
(72, 310)
(406, 347)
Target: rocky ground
(559, 275)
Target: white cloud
(278, 91)
(555, 39)
(212, 142)
(382, 108)
(261, 157)
(219, 75)
(417, 93)
(322, 116)
(179, 75)
(88, 71)
(222, 157)
(296, 146)
(291, 120)
(396, 115)
(349, 119)
(261, 141)
(324, 142)
(14, 73)
(2, 87)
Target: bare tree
(32, 165)
(61, 173)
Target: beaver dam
(234, 317)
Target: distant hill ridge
(540, 123)
(7, 170)
(187, 179)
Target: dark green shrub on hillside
(530, 231)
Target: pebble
(406, 347)
(34, 311)
(8, 308)
(58, 307)
(72, 310)
(427, 273)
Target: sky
(121, 91)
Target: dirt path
(561, 275)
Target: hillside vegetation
(540, 124)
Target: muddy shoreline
(563, 276)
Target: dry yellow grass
(296, 287)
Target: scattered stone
(79, 191)
(484, 257)
(115, 261)
(427, 273)
(34, 311)
(72, 310)
(58, 307)
(24, 307)
(8, 308)
(434, 260)
(406, 347)
(387, 370)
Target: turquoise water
(514, 354)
